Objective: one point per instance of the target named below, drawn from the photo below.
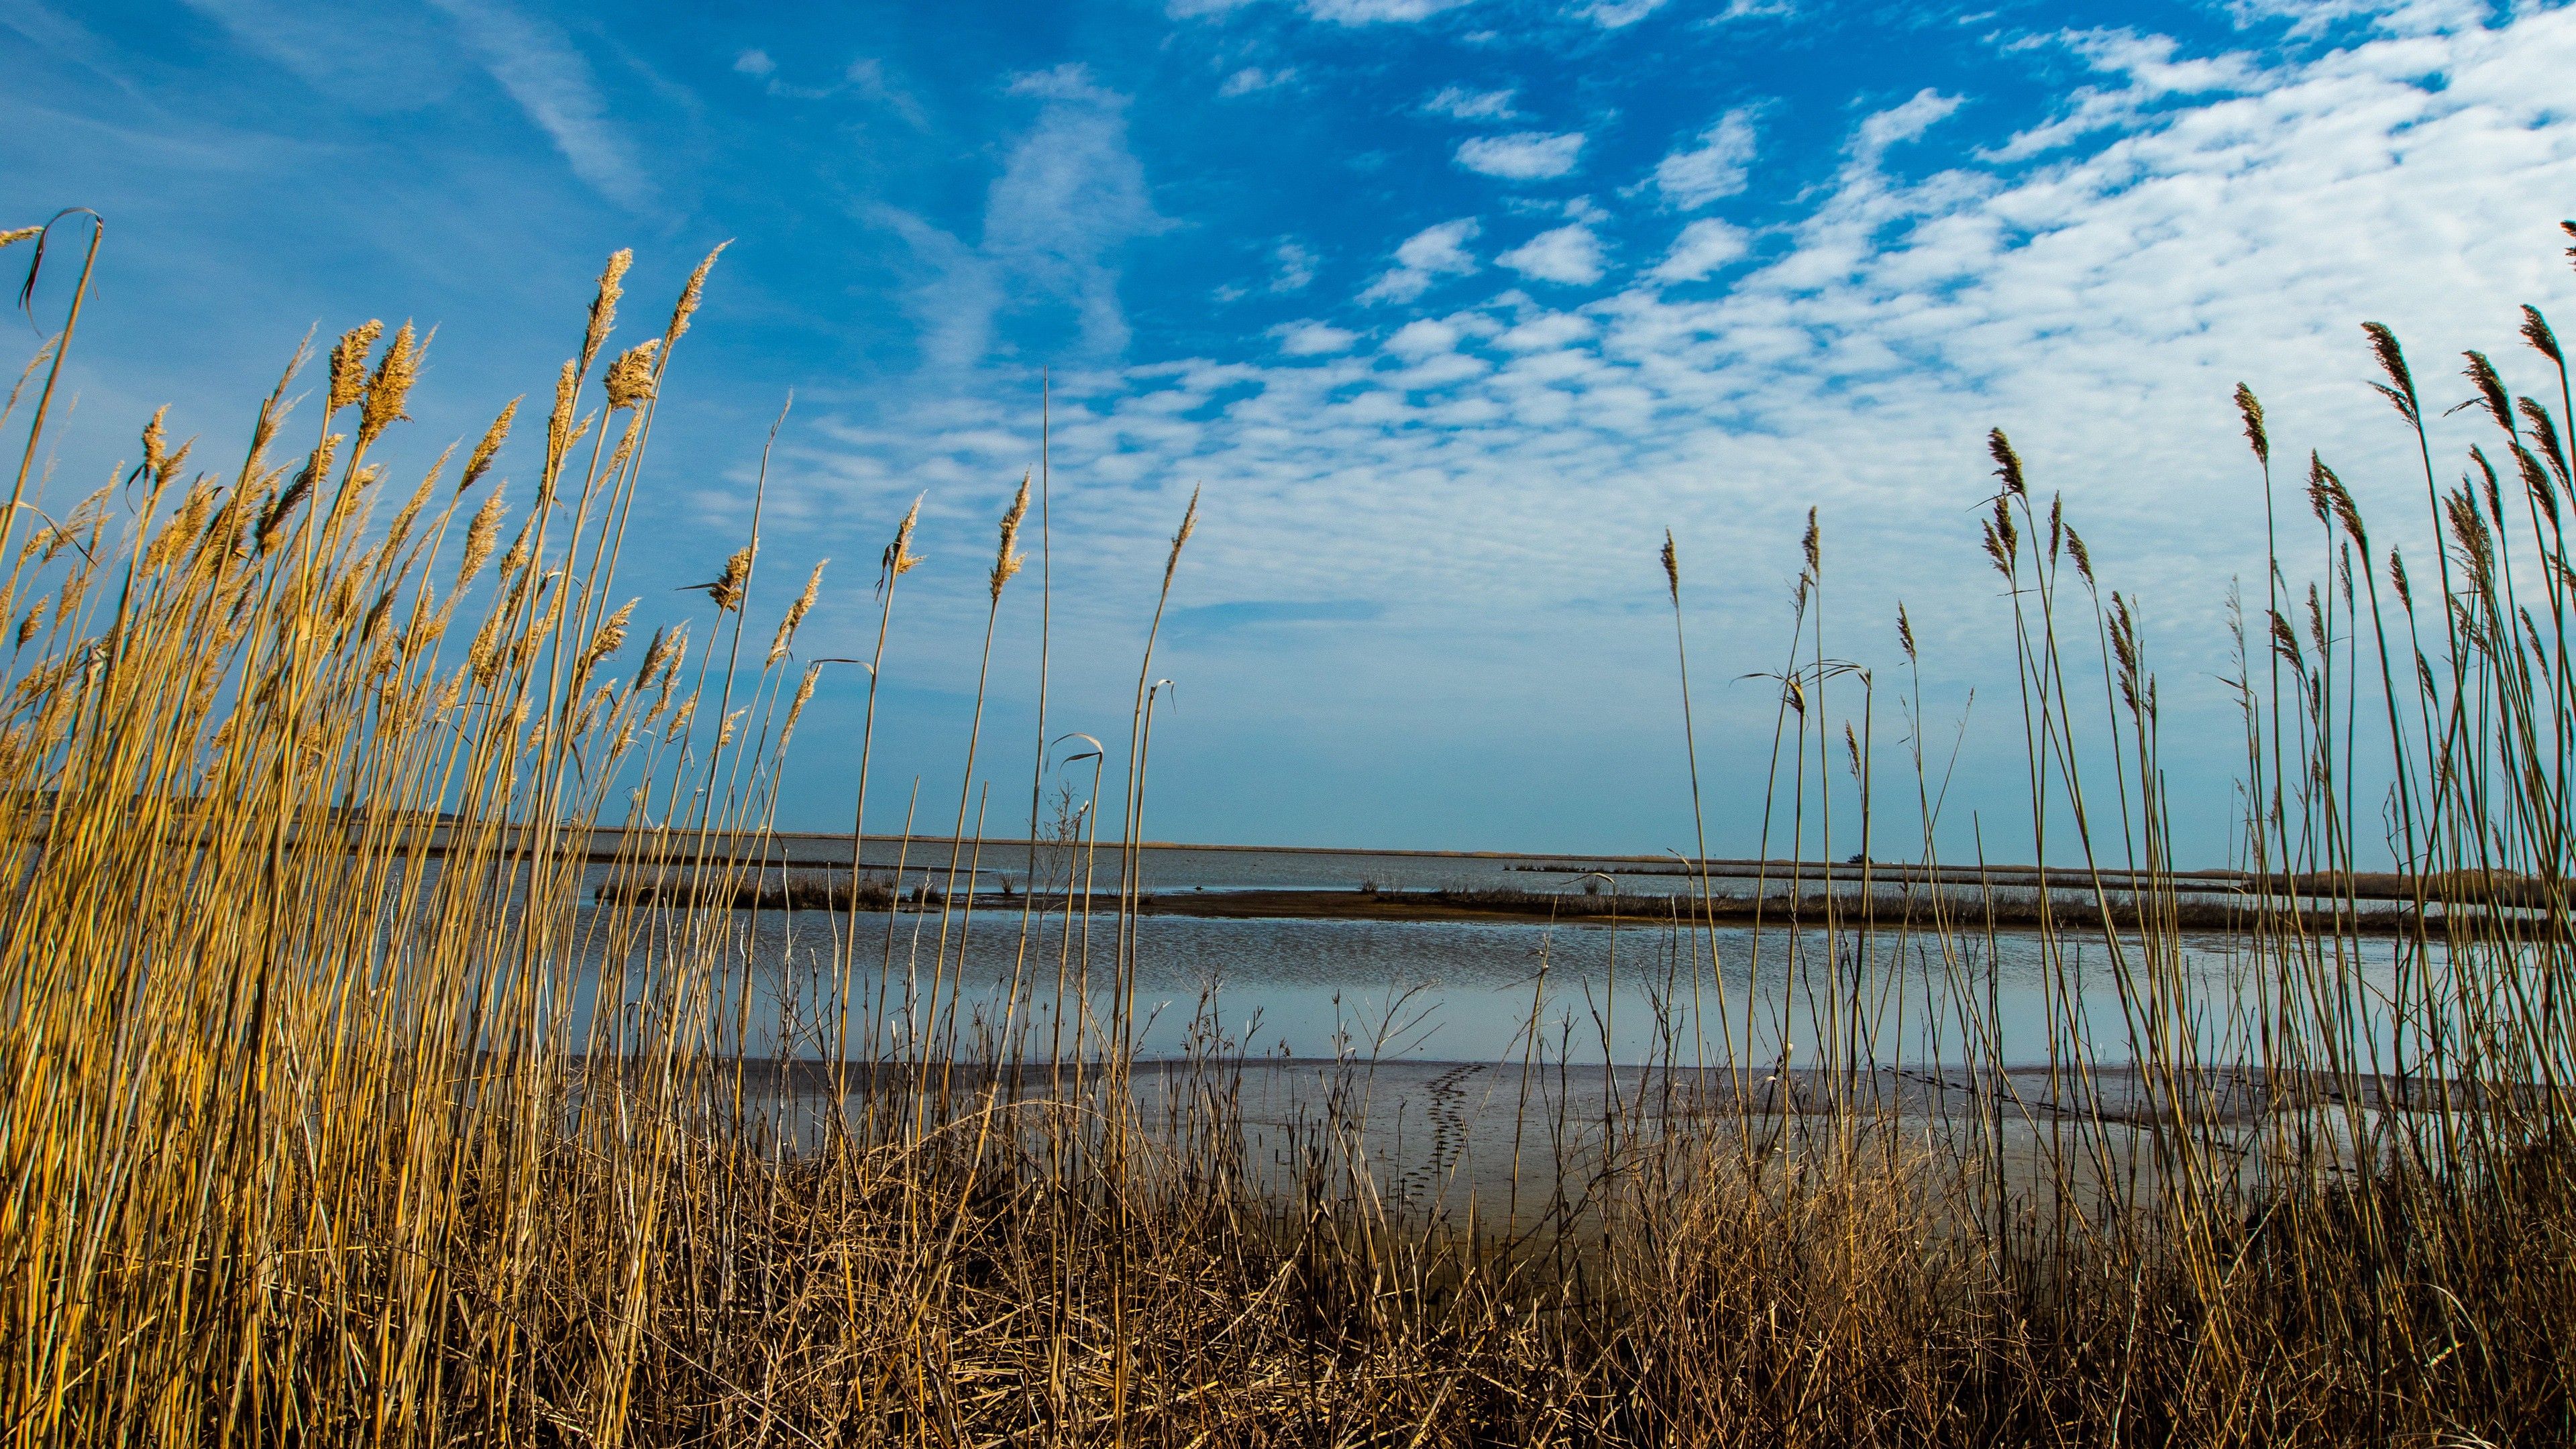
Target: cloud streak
(1069, 198)
(539, 68)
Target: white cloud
(1366, 12)
(1424, 337)
(536, 64)
(1547, 332)
(1070, 196)
(754, 62)
(867, 76)
(2309, 17)
(1425, 257)
(1568, 254)
(1907, 122)
(1715, 168)
(1460, 104)
(371, 58)
(1340, 12)
(2100, 304)
(1296, 268)
(1524, 156)
(1618, 14)
(1253, 78)
(2152, 72)
(1703, 247)
(1313, 339)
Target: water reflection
(1467, 991)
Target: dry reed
(340, 1111)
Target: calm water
(1434, 991)
(1180, 867)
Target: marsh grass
(339, 1112)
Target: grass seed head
(689, 298)
(735, 581)
(795, 615)
(349, 364)
(2003, 541)
(603, 307)
(1905, 631)
(479, 461)
(559, 432)
(1672, 570)
(1007, 560)
(2339, 498)
(610, 638)
(2124, 648)
(652, 659)
(2285, 642)
(155, 441)
(632, 376)
(522, 548)
(1181, 536)
(899, 559)
(1812, 547)
(316, 464)
(2494, 490)
(391, 385)
(2535, 330)
(2007, 462)
(2544, 432)
(2535, 480)
(626, 443)
(2320, 501)
(804, 696)
(2249, 410)
(2491, 394)
(2399, 389)
(480, 535)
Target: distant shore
(1953, 908)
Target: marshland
(418, 1030)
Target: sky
(1450, 307)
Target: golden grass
(311, 1137)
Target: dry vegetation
(311, 1137)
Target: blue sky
(1451, 307)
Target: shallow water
(1461, 991)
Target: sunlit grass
(313, 1133)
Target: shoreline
(2002, 909)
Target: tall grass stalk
(343, 1107)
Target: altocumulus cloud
(1425, 257)
(1569, 254)
(1717, 167)
(2100, 305)
(1524, 156)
